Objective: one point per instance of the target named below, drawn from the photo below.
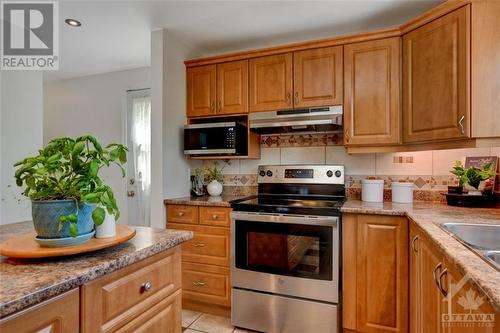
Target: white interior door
(139, 164)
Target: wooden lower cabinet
(205, 260)
(58, 315)
(375, 273)
(117, 301)
(441, 298)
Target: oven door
(286, 254)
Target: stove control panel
(301, 174)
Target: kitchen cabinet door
(201, 91)
(232, 87)
(425, 297)
(317, 77)
(371, 89)
(436, 79)
(375, 273)
(271, 83)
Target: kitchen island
(115, 286)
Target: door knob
(130, 193)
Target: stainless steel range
(285, 251)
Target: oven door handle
(283, 218)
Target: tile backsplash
(428, 170)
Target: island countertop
(429, 216)
(24, 283)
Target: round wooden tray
(25, 246)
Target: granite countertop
(223, 201)
(429, 216)
(27, 282)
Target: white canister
(372, 190)
(214, 188)
(107, 228)
(402, 192)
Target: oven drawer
(278, 314)
(216, 216)
(206, 283)
(182, 214)
(210, 245)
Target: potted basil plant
(67, 194)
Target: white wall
(94, 105)
(21, 119)
(171, 174)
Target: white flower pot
(214, 188)
(107, 228)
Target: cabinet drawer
(182, 214)
(115, 299)
(216, 216)
(162, 317)
(210, 245)
(206, 283)
(57, 315)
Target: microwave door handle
(279, 218)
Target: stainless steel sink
(483, 239)
(479, 236)
(494, 256)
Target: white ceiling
(115, 35)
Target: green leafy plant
(472, 176)
(69, 169)
(213, 172)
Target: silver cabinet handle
(146, 286)
(413, 246)
(435, 274)
(199, 244)
(198, 283)
(461, 123)
(443, 273)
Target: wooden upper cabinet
(436, 79)
(201, 91)
(371, 92)
(317, 77)
(271, 82)
(232, 87)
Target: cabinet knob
(180, 214)
(198, 283)
(212, 106)
(296, 97)
(146, 286)
(215, 217)
(288, 99)
(219, 107)
(347, 135)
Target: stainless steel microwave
(224, 138)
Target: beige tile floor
(198, 322)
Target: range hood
(297, 120)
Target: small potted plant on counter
(473, 179)
(213, 175)
(67, 194)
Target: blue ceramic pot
(46, 217)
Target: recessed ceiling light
(73, 22)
